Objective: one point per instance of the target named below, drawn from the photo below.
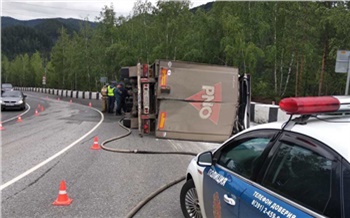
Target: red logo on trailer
(207, 102)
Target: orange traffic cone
(62, 199)
(39, 106)
(36, 113)
(95, 146)
(58, 99)
(42, 108)
(19, 119)
(70, 101)
(90, 105)
(1, 127)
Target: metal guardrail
(266, 113)
(64, 92)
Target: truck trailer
(188, 101)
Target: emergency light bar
(315, 105)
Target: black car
(13, 100)
(6, 87)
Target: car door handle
(229, 200)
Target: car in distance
(6, 87)
(13, 100)
(298, 168)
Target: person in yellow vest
(111, 97)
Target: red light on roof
(310, 105)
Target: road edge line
(33, 169)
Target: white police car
(299, 168)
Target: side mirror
(205, 159)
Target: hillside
(206, 7)
(28, 36)
(19, 37)
(74, 23)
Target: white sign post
(44, 80)
(343, 66)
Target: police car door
(298, 182)
(224, 182)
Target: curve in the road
(15, 117)
(14, 180)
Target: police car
(299, 168)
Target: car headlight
(20, 102)
(1, 101)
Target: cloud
(26, 10)
(79, 9)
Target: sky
(79, 9)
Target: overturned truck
(189, 101)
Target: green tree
(50, 75)
(5, 69)
(60, 61)
(106, 35)
(337, 19)
(37, 69)
(288, 48)
(171, 25)
(20, 70)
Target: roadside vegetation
(288, 48)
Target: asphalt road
(101, 183)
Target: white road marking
(12, 181)
(174, 144)
(16, 117)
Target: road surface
(41, 151)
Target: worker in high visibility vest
(111, 97)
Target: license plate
(10, 104)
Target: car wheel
(189, 201)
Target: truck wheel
(189, 201)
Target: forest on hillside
(288, 48)
(28, 36)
